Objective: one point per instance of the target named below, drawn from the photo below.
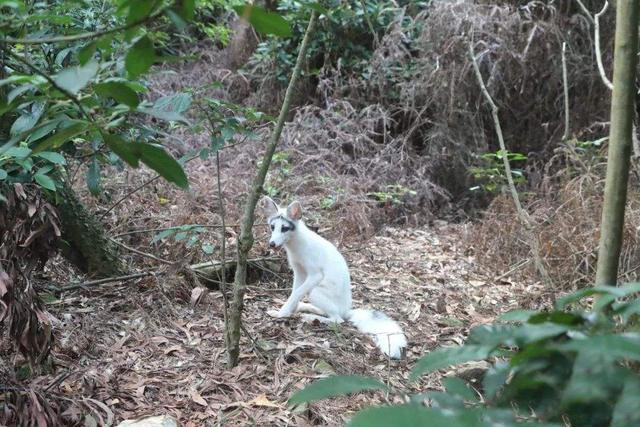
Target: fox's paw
(279, 314)
(273, 313)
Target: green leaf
(139, 9)
(459, 387)
(616, 347)
(170, 116)
(53, 157)
(45, 128)
(140, 57)
(74, 79)
(74, 128)
(160, 161)
(86, 53)
(179, 103)
(28, 119)
(410, 415)
(529, 333)
(45, 181)
(517, 315)
(93, 177)
(447, 356)
(626, 411)
(177, 20)
(207, 248)
(492, 335)
(3, 174)
(17, 91)
(187, 9)
(18, 152)
(263, 21)
(627, 309)
(123, 149)
(118, 91)
(563, 302)
(494, 379)
(335, 386)
(557, 317)
(163, 234)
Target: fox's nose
(272, 244)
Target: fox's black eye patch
(272, 227)
(285, 229)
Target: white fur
(321, 273)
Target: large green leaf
(73, 129)
(263, 21)
(459, 387)
(178, 103)
(626, 411)
(160, 161)
(447, 356)
(336, 386)
(86, 53)
(74, 79)
(118, 91)
(411, 415)
(93, 177)
(53, 157)
(45, 181)
(123, 149)
(616, 347)
(140, 57)
(517, 315)
(170, 116)
(28, 119)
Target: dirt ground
(142, 348)
(155, 345)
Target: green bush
(344, 35)
(579, 366)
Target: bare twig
(565, 82)
(104, 281)
(245, 240)
(522, 214)
(139, 252)
(596, 30)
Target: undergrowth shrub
(564, 367)
(565, 206)
(345, 37)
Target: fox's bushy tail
(385, 331)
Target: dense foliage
(577, 365)
(346, 38)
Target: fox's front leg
(297, 294)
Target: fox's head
(283, 222)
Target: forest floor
(155, 345)
(144, 348)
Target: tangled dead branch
(29, 230)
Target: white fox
(320, 272)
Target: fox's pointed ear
(294, 211)
(269, 207)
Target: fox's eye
(285, 229)
(272, 227)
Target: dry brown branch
(141, 253)
(565, 81)
(522, 214)
(596, 30)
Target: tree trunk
(620, 140)
(85, 242)
(245, 241)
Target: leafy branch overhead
(76, 98)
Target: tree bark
(245, 241)
(620, 140)
(86, 243)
